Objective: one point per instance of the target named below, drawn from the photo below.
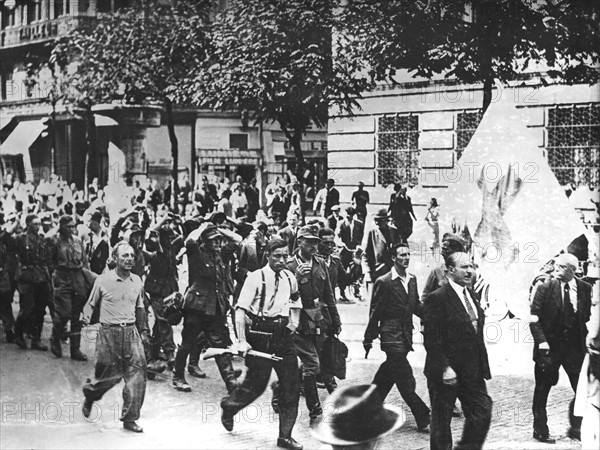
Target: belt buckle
(123, 324)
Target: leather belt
(123, 324)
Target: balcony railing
(42, 31)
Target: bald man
(562, 306)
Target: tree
(274, 59)
(474, 41)
(139, 56)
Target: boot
(196, 371)
(55, 343)
(36, 344)
(19, 338)
(76, 353)
(10, 336)
(180, 384)
(227, 372)
(313, 404)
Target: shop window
(398, 150)
(573, 145)
(239, 141)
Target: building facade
(406, 134)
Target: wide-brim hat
(358, 416)
(381, 214)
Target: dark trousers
(6, 312)
(197, 349)
(257, 378)
(396, 370)
(69, 299)
(33, 299)
(119, 356)
(477, 408)
(546, 376)
(162, 331)
(216, 333)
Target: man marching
(119, 295)
(270, 299)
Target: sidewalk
(41, 400)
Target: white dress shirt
(461, 291)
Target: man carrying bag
(268, 313)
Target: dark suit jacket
(450, 339)
(316, 286)
(333, 198)
(352, 241)
(391, 313)
(377, 254)
(547, 306)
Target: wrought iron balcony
(42, 31)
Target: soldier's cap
(308, 232)
(381, 214)
(216, 217)
(335, 208)
(210, 232)
(46, 218)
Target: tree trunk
(488, 85)
(91, 155)
(174, 154)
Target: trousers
(119, 356)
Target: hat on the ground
(308, 232)
(381, 214)
(358, 416)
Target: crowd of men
(279, 276)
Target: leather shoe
(56, 348)
(424, 424)
(196, 371)
(181, 385)
(545, 438)
(37, 345)
(132, 426)
(77, 355)
(289, 443)
(86, 409)
(21, 342)
(227, 421)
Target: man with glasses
(68, 260)
(270, 299)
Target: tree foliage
(138, 55)
(274, 59)
(474, 42)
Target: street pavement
(41, 400)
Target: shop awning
(105, 121)
(22, 137)
(232, 157)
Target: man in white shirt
(270, 301)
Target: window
(398, 150)
(239, 141)
(573, 145)
(467, 123)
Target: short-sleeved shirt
(118, 297)
(278, 302)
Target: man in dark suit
(290, 233)
(352, 230)
(562, 306)
(457, 363)
(376, 258)
(395, 300)
(332, 198)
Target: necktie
(567, 307)
(269, 307)
(470, 310)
